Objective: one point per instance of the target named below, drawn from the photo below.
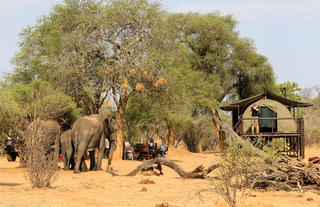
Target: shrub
(41, 158)
(237, 166)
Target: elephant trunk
(113, 146)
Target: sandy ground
(101, 189)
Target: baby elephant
(67, 149)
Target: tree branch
(199, 172)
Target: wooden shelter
(278, 118)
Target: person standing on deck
(255, 121)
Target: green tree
(68, 49)
(91, 49)
(10, 115)
(228, 61)
(289, 90)
(39, 100)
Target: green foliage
(289, 90)
(198, 135)
(24, 103)
(10, 115)
(140, 117)
(157, 67)
(39, 100)
(65, 48)
(216, 49)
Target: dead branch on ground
(198, 172)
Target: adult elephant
(67, 149)
(89, 132)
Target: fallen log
(198, 172)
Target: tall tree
(93, 48)
(67, 49)
(217, 50)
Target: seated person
(151, 146)
(128, 152)
(162, 149)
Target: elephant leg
(71, 156)
(112, 149)
(65, 158)
(99, 160)
(82, 148)
(72, 162)
(92, 159)
(100, 152)
(84, 167)
(69, 153)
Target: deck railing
(295, 138)
(298, 120)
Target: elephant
(89, 132)
(112, 137)
(45, 131)
(67, 149)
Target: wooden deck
(294, 142)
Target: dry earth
(101, 189)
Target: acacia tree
(138, 40)
(90, 48)
(225, 58)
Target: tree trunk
(170, 133)
(236, 139)
(95, 108)
(221, 139)
(120, 119)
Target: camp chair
(144, 153)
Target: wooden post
(297, 145)
(303, 141)
(241, 128)
(298, 137)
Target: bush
(35, 100)
(41, 157)
(198, 135)
(10, 115)
(237, 166)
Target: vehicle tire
(9, 158)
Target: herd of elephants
(87, 134)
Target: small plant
(237, 168)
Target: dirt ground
(101, 189)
